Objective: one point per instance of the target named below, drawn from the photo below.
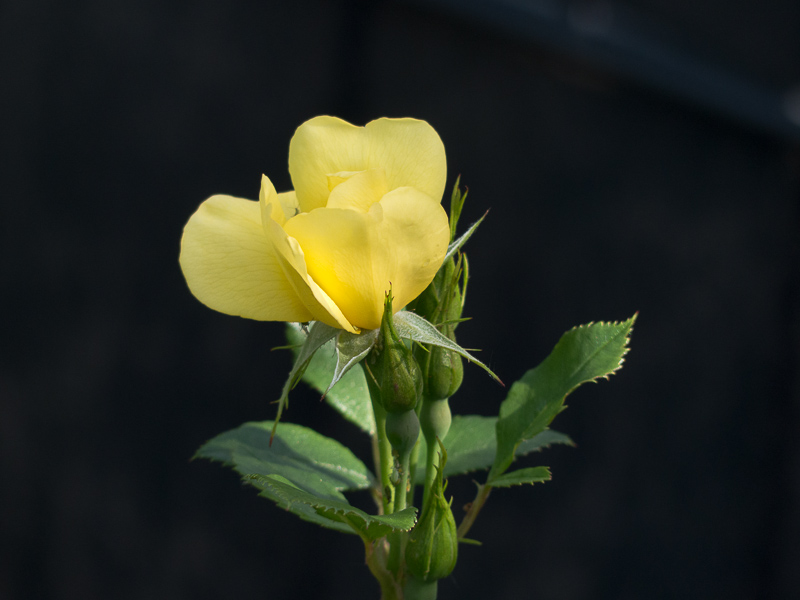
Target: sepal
(413, 327)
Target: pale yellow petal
(231, 266)
(282, 207)
(288, 201)
(269, 203)
(411, 153)
(358, 191)
(355, 256)
(408, 150)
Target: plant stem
(431, 462)
(412, 473)
(377, 495)
(376, 561)
(397, 541)
(383, 460)
(402, 485)
(474, 509)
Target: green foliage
(583, 354)
(530, 475)
(472, 444)
(349, 396)
(334, 512)
(314, 464)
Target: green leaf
(370, 527)
(349, 396)
(530, 475)
(312, 462)
(545, 439)
(318, 335)
(411, 326)
(583, 354)
(472, 444)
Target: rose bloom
(365, 214)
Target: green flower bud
(435, 418)
(402, 430)
(432, 548)
(392, 364)
(445, 372)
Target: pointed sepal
(413, 327)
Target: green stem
(383, 460)
(474, 509)
(431, 462)
(397, 541)
(402, 485)
(376, 561)
(377, 495)
(412, 472)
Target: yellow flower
(365, 212)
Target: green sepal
(349, 396)
(529, 475)
(369, 527)
(318, 335)
(457, 200)
(413, 327)
(309, 460)
(472, 444)
(350, 349)
(459, 243)
(469, 542)
(583, 354)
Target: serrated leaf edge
(324, 505)
(492, 483)
(625, 347)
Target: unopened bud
(394, 367)
(445, 373)
(432, 548)
(435, 419)
(402, 430)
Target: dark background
(636, 156)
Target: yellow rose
(365, 213)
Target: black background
(607, 196)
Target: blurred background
(636, 155)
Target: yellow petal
(358, 191)
(231, 266)
(355, 256)
(293, 263)
(408, 150)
